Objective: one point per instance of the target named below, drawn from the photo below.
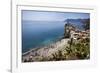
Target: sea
(41, 33)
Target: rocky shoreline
(44, 52)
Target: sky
(31, 15)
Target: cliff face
(80, 24)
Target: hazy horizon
(31, 15)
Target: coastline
(46, 51)
(36, 48)
(74, 45)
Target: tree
(67, 31)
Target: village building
(72, 32)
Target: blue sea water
(41, 33)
